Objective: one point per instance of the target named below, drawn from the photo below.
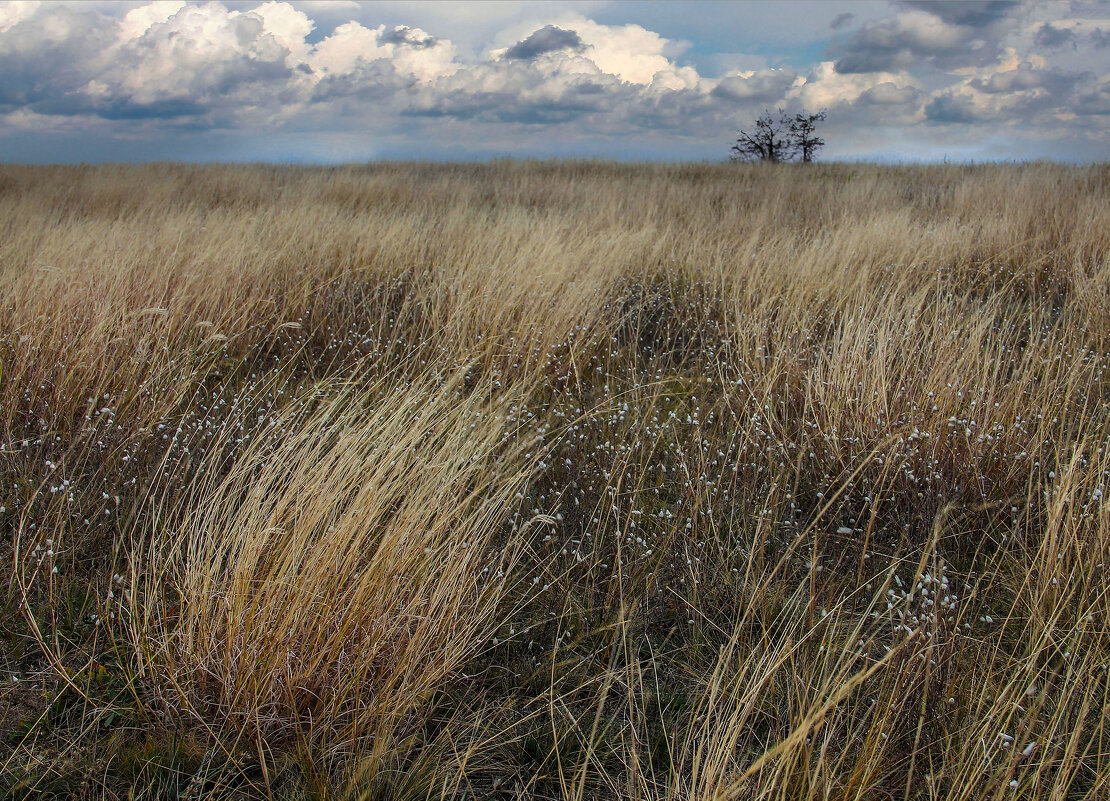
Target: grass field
(555, 480)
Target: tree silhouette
(803, 132)
(770, 140)
(780, 139)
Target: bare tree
(771, 140)
(803, 133)
(779, 140)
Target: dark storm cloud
(500, 92)
(886, 103)
(1100, 38)
(1048, 35)
(951, 107)
(889, 94)
(509, 107)
(897, 44)
(1026, 78)
(840, 20)
(371, 81)
(971, 14)
(763, 85)
(1094, 101)
(122, 108)
(50, 56)
(547, 39)
(1026, 95)
(406, 36)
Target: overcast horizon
(336, 81)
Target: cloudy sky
(332, 80)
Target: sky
(332, 81)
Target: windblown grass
(561, 480)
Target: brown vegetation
(561, 480)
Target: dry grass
(556, 481)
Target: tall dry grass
(566, 480)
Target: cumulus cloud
(172, 60)
(634, 54)
(560, 91)
(288, 26)
(200, 66)
(947, 35)
(886, 97)
(576, 70)
(349, 47)
(826, 87)
(630, 52)
(201, 58)
(1024, 94)
(357, 55)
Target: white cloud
(138, 21)
(350, 46)
(14, 12)
(288, 25)
(633, 54)
(630, 52)
(825, 87)
(408, 51)
(434, 58)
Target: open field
(567, 480)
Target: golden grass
(567, 480)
